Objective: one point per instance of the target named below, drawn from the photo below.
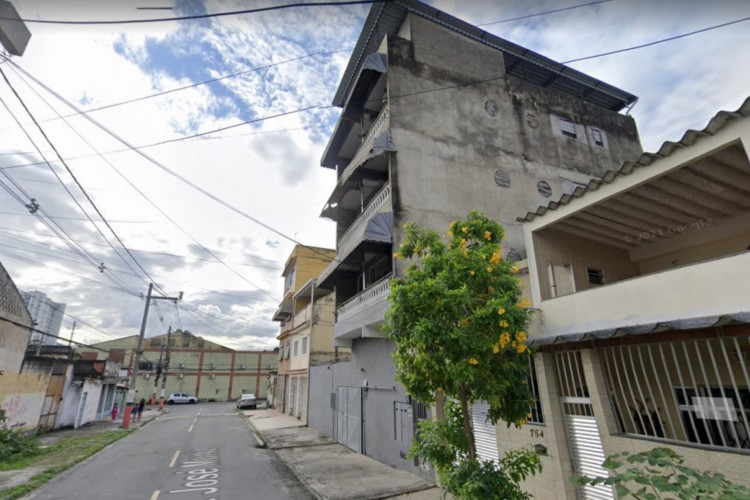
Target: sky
(204, 189)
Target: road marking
(190, 429)
(155, 495)
(203, 472)
(174, 458)
(195, 419)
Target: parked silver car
(181, 397)
(247, 401)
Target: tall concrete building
(47, 316)
(439, 118)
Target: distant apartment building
(439, 118)
(47, 316)
(305, 315)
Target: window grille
(693, 391)
(596, 134)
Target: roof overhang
(644, 329)
(386, 18)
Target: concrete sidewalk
(329, 470)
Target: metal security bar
(535, 413)
(691, 391)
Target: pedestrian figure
(141, 405)
(115, 411)
(134, 412)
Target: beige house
(306, 331)
(642, 284)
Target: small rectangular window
(596, 276)
(596, 134)
(304, 345)
(568, 128)
(296, 347)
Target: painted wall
(22, 397)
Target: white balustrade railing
(353, 235)
(381, 124)
(372, 295)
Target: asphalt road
(202, 451)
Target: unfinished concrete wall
(494, 146)
(13, 338)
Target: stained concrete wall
(13, 339)
(451, 143)
(22, 397)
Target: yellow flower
(463, 322)
(521, 336)
(524, 302)
(489, 269)
(495, 259)
(520, 348)
(514, 269)
(472, 273)
(463, 242)
(406, 225)
(491, 289)
(504, 340)
(504, 324)
(449, 234)
(452, 225)
(501, 311)
(416, 249)
(464, 229)
(496, 348)
(473, 362)
(487, 235)
(397, 256)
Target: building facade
(440, 118)
(642, 282)
(306, 327)
(47, 316)
(204, 369)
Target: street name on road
(203, 472)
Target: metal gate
(485, 436)
(52, 401)
(292, 406)
(349, 417)
(585, 443)
(302, 405)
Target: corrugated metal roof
(689, 138)
(387, 17)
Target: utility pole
(158, 371)
(138, 352)
(70, 344)
(166, 369)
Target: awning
(647, 328)
(284, 312)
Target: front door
(349, 417)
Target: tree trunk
(467, 422)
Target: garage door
(485, 436)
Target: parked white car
(247, 401)
(181, 397)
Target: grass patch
(58, 458)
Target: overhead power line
(196, 16)
(544, 13)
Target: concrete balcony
(302, 317)
(356, 232)
(699, 292)
(365, 151)
(362, 315)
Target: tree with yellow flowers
(458, 321)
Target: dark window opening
(596, 276)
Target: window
(691, 391)
(596, 276)
(296, 346)
(560, 279)
(596, 134)
(146, 365)
(304, 345)
(568, 128)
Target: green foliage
(16, 444)
(661, 474)
(458, 318)
(458, 322)
(444, 445)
